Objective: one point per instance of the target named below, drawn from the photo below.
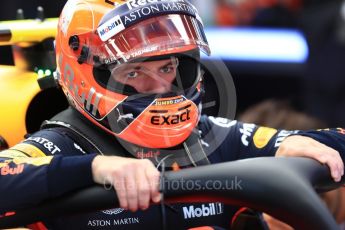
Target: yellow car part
(17, 89)
(18, 86)
(24, 32)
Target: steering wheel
(282, 187)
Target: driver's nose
(155, 85)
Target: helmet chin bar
(154, 122)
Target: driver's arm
(28, 171)
(26, 181)
(242, 140)
(325, 146)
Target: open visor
(161, 35)
(172, 73)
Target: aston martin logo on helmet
(134, 11)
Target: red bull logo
(7, 170)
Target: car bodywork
(22, 84)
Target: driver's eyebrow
(130, 67)
(136, 66)
(169, 62)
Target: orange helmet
(105, 50)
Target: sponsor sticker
(76, 146)
(247, 132)
(134, 11)
(262, 136)
(8, 170)
(282, 135)
(139, 10)
(113, 222)
(171, 119)
(222, 122)
(126, 221)
(47, 144)
(139, 3)
(169, 102)
(110, 28)
(143, 51)
(203, 210)
(147, 154)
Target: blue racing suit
(50, 163)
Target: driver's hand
(136, 181)
(300, 146)
(274, 224)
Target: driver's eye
(167, 69)
(132, 75)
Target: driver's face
(148, 77)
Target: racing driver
(132, 74)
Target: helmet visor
(165, 34)
(172, 73)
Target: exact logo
(171, 119)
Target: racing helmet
(132, 67)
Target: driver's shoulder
(51, 141)
(207, 123)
